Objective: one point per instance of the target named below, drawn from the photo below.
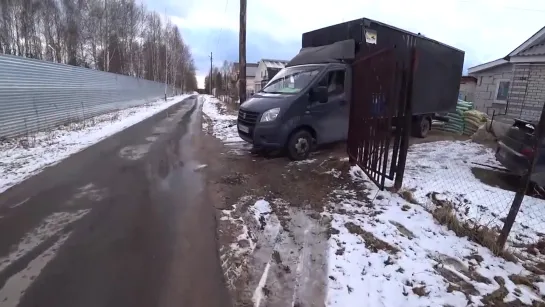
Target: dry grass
(445, 214)
(525, 280)
(456, 283)
(408, 196)
(420, 291)
(403, 230)
(371, 242)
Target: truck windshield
(292, 80)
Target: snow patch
(134, 152)
(50, 227)
(19, 203)
(90, 192)
(15, 287)
(199, 167)
(258, 293)
(223, 124)
(302, 162)
(260, 209)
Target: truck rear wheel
(299, 145)
(421, 127)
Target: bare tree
(119, 36)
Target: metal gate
(380, 116)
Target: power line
(506, 7)
(222, 28)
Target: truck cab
(302, 106)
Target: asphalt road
(122, 223)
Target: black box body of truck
(438, 67)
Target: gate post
(407, 123)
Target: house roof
(537, 38)
(534, 50)
(274, 63)
(487, 65)
(468, 79)
(534, 46)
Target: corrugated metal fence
(36, 95)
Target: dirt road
(122, 223)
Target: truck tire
(299, 145)
(421, 127)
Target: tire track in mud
(288, 265)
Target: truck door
(329, 117)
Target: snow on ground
(24, 157)
(448, 168)
(223, 124)
(388, 251)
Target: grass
(408, 196)
(445, 214)
(373, 243)
(525, 280)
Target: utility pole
(106, 40)
(210, 78)
(166, 61)
(242, 53)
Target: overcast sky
(484, 29)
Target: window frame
(326, 78)
(498, 82)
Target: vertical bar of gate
(407, 121)
(517, 201)
(368, 129)
(390, 106)
(351, 146)
(400, 86)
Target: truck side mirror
(319, 94)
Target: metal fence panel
(37, 95)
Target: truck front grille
(247, 118)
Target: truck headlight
(270, 115)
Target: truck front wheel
(421, 127)
(299, 145)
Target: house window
(502, 90)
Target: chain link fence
(37, 95)
(465, 187)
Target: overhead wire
(507, 7)
(222, 27)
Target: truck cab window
(334, 80)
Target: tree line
(118, 36)
(224, 80)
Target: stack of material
(473, 119)
(456, 119)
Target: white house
(250, 76)
(266, 69)
(513, 86)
